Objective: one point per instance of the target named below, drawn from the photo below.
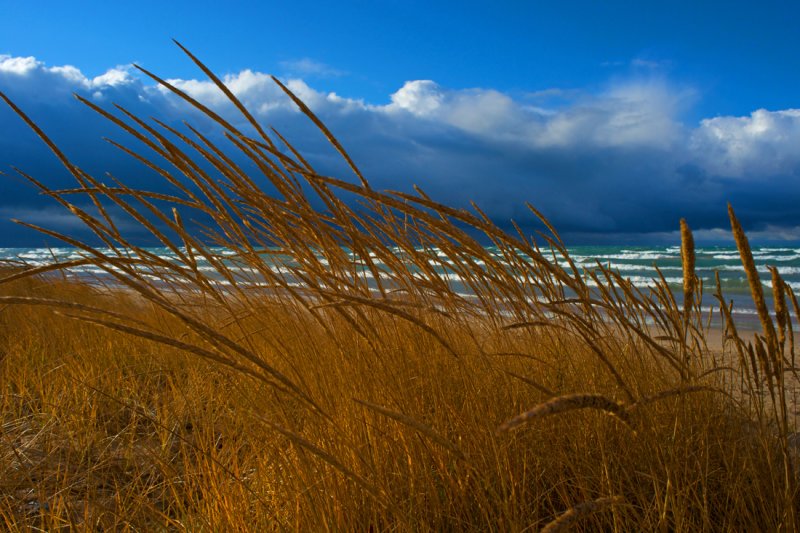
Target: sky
(614, 118)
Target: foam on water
(635, 256)
(625, 267)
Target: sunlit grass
(326, 373)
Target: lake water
(636, 263)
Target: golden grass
(325, 374)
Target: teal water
(639, 265)
(635, 263)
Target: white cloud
(24, 67)
(70, 74)
(478, 111)
(764, 143)
(19, 66)
(632, 114)
(260, 94)
(113, 77)
(33, 74)
(420, 98)
(484, 112)
(628, 114)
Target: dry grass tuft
(565, 403)
(568, 518)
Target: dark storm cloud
(613, 163)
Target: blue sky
(614, 118)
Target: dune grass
(323, 373)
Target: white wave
(667, 250)
(763, 269)
(771, 257)
(728, 268)
(644, 281)
(793, 257)
(35, 255)
(773, 250)
(636, 256)
(736, 310)
(627, 267)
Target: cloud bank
(611, 164)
